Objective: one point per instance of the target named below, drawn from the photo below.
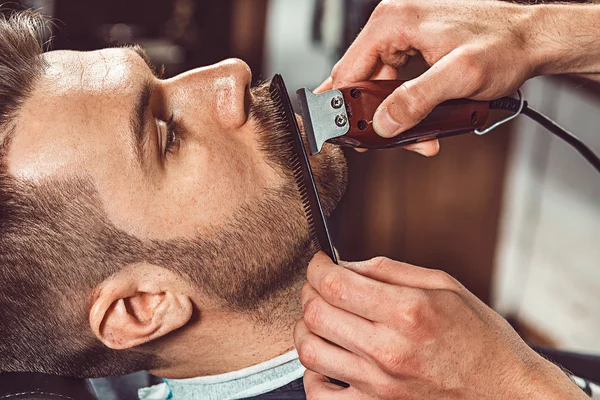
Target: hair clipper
(345, 117)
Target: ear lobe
(138, 306)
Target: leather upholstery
(36, 386)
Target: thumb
(410, 103)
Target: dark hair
(56, 244)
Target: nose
(219, 92)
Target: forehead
(81, 96)
(93, 71)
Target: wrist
(543, 380)
(563, 39)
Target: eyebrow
(137, 119)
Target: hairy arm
(567, 40)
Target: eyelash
(171, 137)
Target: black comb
(303, 175)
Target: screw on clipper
(340, 120)
(337, 102)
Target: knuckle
(402, 11)
(313, 313)
(383, 8)
(333, 285)
(416, 105)
(413, 312)
(391, 360)
(379, 263)
(472, 66)
(446, 281)
(307, 353)
(335, 70)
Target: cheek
(225, 174)
(205, 187)
(201, 187)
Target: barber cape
(278, 378)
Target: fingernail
(420, 150)
(384, 124)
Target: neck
(220, 341)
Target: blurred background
(514, 215)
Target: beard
(256, 260)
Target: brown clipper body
(345, 117)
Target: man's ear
(141, 303)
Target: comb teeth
(301, 170)
(296, 167)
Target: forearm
(590, 77)
(565, 39)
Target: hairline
(9, 134)
(10, 126)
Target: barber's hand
(395, 331)
(476, 49)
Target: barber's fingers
(414, 100)
(358, 64)
(328, 359)
(338, 326)
(374, 45)
(384, 72)
(387, 72)
(325, 86)
(355, 293)
(427, 149)
(402, 274)
(319, 387)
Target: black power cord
(511, 104)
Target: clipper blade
(324, 115)
(302, 172)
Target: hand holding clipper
(345, 117)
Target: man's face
(105, 116)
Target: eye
(171, 138)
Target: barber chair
(35, 386)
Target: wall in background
(548, 265)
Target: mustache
(329, 166)
(272, 128)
